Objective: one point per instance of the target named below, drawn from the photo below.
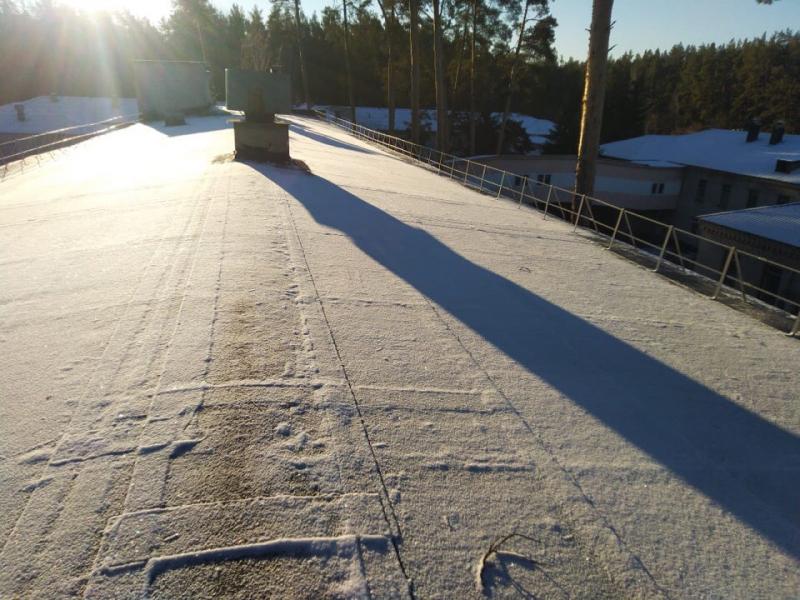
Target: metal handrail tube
(71, 128)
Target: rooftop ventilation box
(260, 95)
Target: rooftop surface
(780, 223)
(221, 379)
(719, 149)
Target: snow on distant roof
(378, 118)
(719, 149)
(42, 114)
(658, 164)
(780, 223)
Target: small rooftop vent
(753, 129)
(786, 166)
(777, 133)
(20, 108)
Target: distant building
(772, 232)
(654, 188)
(722, 169)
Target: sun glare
(154, 10)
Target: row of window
(753, 195)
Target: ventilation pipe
(753, 129)
(777, 133)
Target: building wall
(164, 87)
(758, 273)
(620, 183)
(691, 205)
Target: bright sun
(154, 10)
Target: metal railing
(22, 147)
(723, 267)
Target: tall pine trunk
(413, 34)
(299, 33)
(460, 60)
(442, 125)
(593, 98)
(501, 136)
(389, 21)
(350, 96)
(472, 115)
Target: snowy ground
(228, 380)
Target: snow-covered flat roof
(719, 149)
(780, 223)
(42, 114)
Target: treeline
(51, 48)
(689, 88)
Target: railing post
(452, 167)
(726, 266)
(547, 202)
(663, 249)
(630, 231)
(616, 228)
(796, 329)
(439, 169)
(741, 275)
(500, 189)
(522, 189)
(580, 210)
(678, 248)
(466, 171)
(483, 176)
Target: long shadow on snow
(324, 139)
(747, 465)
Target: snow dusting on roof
(719, 149)
(779, 223)
(42, 114)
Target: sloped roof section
(719, 149)
(778, 223)
(42, 114)
(378, 118)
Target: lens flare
(154, 10)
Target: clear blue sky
(640, 24)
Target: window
(657, 188)
(700, 194)
(752, 198)
(543, 178)
(725, 195)
(783, 199)
(660, 188)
